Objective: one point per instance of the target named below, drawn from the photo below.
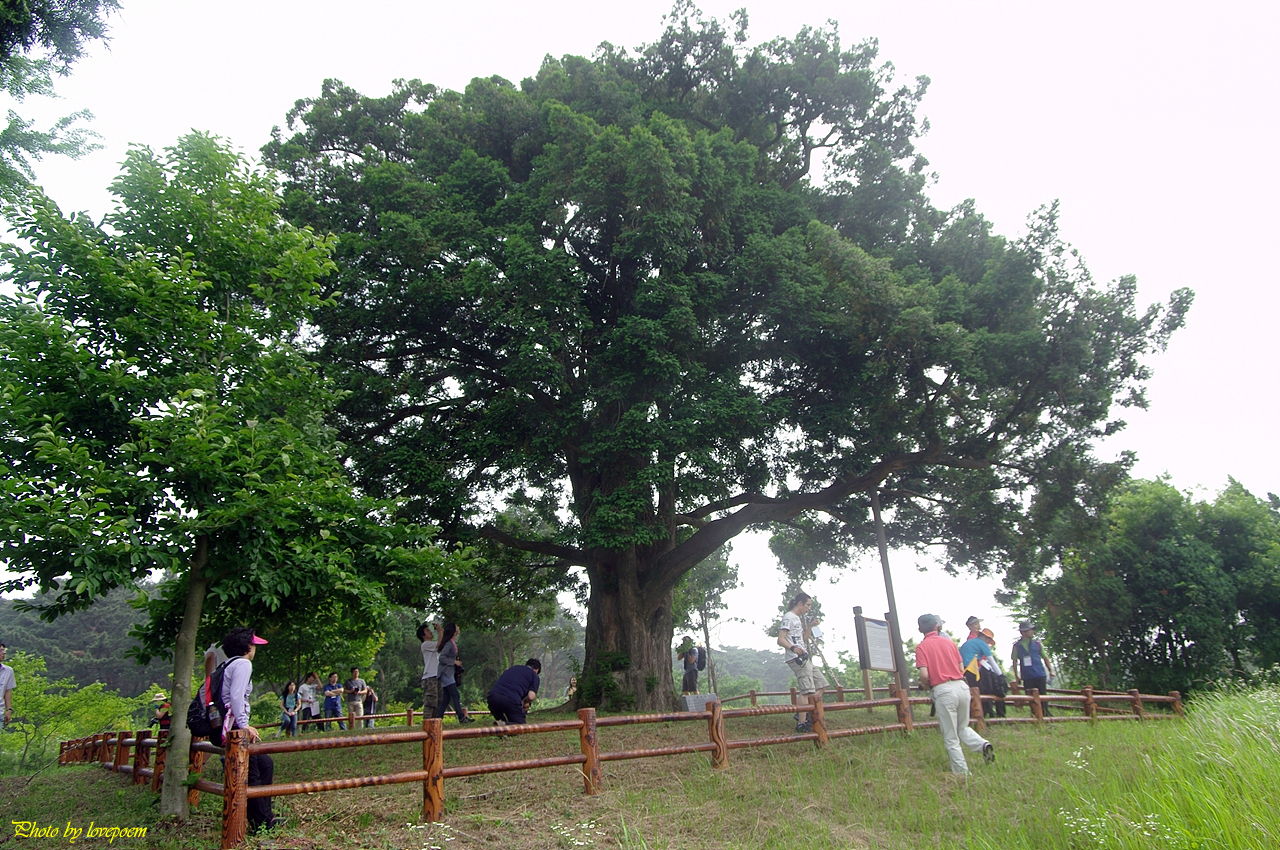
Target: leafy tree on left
(38, 40)
(157, 416)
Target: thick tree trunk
(173, 793)
(625, 620)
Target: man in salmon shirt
(939, 663)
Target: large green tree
(157, 418)
(1166, 592)
(619, 293)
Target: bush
(46, 713)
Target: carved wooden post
(235, 788)
(818, 719)
(1135, 701)
(351, 719)
(1177, 703)
(1037, 708)
(1090, 704)
(98, 748)
(904, 710)
(122, 751)
(162, 753)
(753, 698)
(794, 698)
(592, 778)
(715, 727)
(975, 710)
(839, 693)
(141, 754)
(433, 764)
(194, 766)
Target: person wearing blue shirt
(513, 693)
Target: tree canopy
(160, 419)
(40, 39)
(1165, 592)
(622, 294)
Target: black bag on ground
(204, 714)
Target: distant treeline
(89, 646)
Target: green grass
(1207, 782)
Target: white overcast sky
(1150, 122)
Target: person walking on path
(938, 661)
(1031, 666)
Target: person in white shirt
(431, 636)
(791, 637)
(8, 681)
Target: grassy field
(1206, 782)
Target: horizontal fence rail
(131, 753)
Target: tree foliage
(88, 646)
(618, 292)
(1169, 593)
(160, 417)
(47, 712)
(38, 40)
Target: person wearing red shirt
(938, 660)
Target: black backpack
(702, 658)
(204, 715)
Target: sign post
(892, 617)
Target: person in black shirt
(513, 693)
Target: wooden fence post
(592, 778)
(975, 710)
(753, 698)
(839, 693)
(162, 753)
(1037, 707)
(1177, 704)
(1090, 704)
(715, 727)
(141, 754)
(818, 719)
(122, 751)
(408, 717)
(433, 764)
(195, 764)
(1135, 701)
(235, 788)
(904, 710)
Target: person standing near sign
(791, 637)
(938, 660)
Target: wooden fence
(130, 752)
